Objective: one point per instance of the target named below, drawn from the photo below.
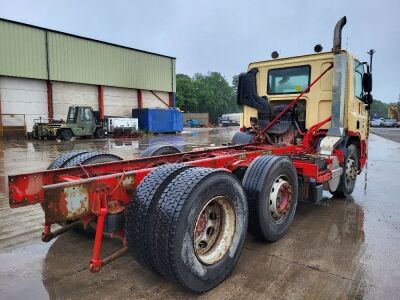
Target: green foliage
(235, 84)
(206, 93)
(378, 109)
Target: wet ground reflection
(340, 248)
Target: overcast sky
(224, 36)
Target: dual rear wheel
(189, 224)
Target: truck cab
(81, 120)
(281, 80)
(325, 93)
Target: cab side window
(358, 74)
(86, 115)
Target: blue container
(157, 120)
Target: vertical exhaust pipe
(340, 62)
(337, 35)
(339, 81)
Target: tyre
(66, 135)
(241, 138)
(62, 159)
(89, 158)
(350, 170)
(199, 228)
(75, 158)
(100, 133)
(140, 210)
(157, 150)
(271, 186)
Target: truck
(81, 121)
(185, 215)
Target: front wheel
(66, 135)
(350, 171)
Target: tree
(205, 93)
(235, 84)
(378, 109)
(185, 95)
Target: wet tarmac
(388, 133)
(340, 248)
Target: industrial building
(43, 72)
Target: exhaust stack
(339, 81)
(337, 36)
(340, 60)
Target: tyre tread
(138, 222)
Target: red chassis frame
(87, 193)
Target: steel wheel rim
(351, 171)
(214, 230)
(280, 199)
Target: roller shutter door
(73, 94)
(22, 96)
(119, 102)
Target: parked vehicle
(185, 215)
(81, 122)
(389, 123)
(229, 120)
(377, 123)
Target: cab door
(357, 113)
(86, 124)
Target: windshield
(288, 80)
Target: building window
(292, 80)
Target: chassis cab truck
(185, 215)
(341, 95)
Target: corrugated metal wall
(22, 51)
(80, 60)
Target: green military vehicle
(81, 121)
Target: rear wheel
(157, 150)
(66, 135)
(62, 159)
(89, 158)
(199, 228)
(241, 138)
(139, 220)
(350, 171)
(75, 158)
(100, 133)
(272, 190)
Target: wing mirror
(367, 82)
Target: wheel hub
(214, 230)
(280, 199)
(351, 171)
